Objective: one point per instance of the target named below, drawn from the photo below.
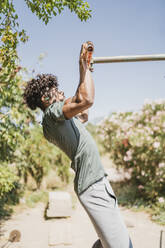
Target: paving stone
(11, 245)
(60, 204)
(60, 234)
(162, 239)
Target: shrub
(32, 198)
(92, 129)
(136, 141)
(37, 156)
(10, 190)
(8, 179)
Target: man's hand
(86, 52)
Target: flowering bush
(136, 141)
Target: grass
(33, 198)
(129, 197)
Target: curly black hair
(38, 87)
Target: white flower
(156, 128)
(159, 101)
(156, 144)
(140, 126)
(161, 165)
(158, 173)
(159, 113)
(153, 106)
(161, 200)
(129, 132)
(148, 138)
(143, 173)
(140, 187)
(126, 158)
(129, 153)
(147, 112)
(125, 126)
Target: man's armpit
(83, 117)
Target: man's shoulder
(54, 112)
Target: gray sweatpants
(100, 203)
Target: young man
(62, 126)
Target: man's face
(54, 96)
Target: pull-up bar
(134, 58)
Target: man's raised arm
(84, 96)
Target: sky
(121, 27)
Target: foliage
(12, 112)
(7, 179)
(32, 198)
(10, 196)
(129, 195)
(158, 213)
(62, 164)
(136, 141)
(93, 130)
(14, 116)
(45, 9)
(36, 156)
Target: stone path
(35, 229)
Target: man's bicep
(71, 109)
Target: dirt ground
(35, 229)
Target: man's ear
(45, 99)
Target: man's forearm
(84, 96)
(85, 90)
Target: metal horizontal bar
(135, 58)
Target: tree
(10, 33)
(14, 116)
(11, 36)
